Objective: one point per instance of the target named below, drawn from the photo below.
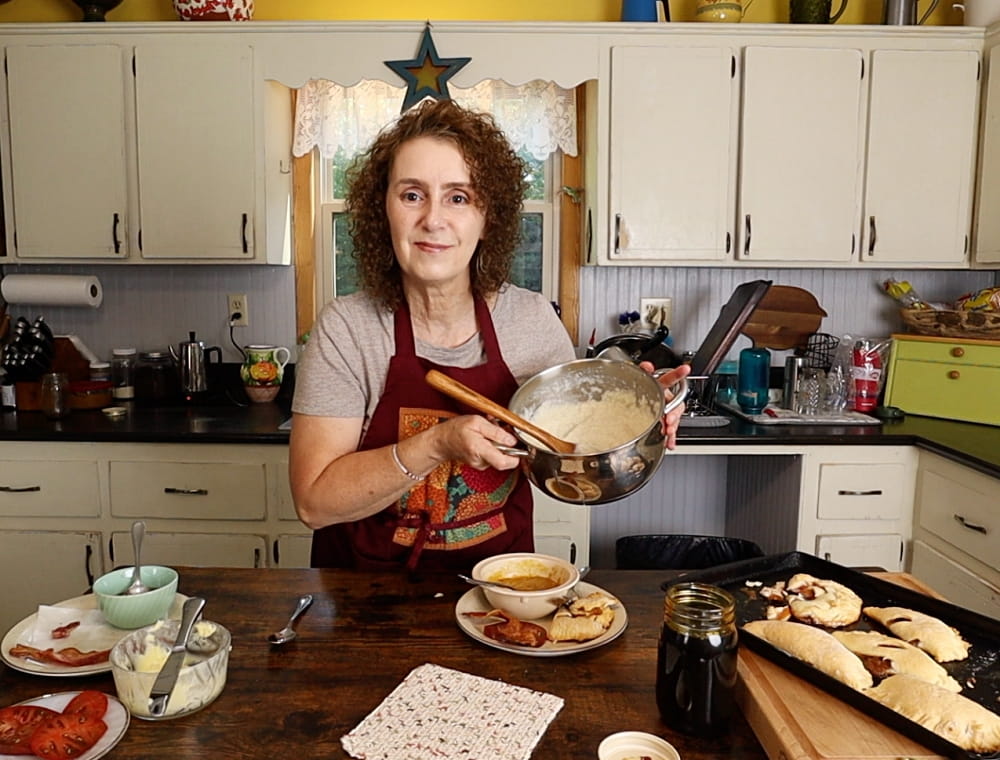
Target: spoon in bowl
(490, 584)
(459, 392)
(137, 586)
(288, 633)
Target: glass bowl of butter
(136, 660)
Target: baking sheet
(979, 674)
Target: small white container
(630, 745)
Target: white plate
(116, 719)
(106, 638)
(474, 601)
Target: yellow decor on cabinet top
(956, 379)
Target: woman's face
(433, 217)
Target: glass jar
(696, 659)
(123, 372)
(100, 372)
(155, 378)
(754, 379)
(725, 383)
(53, 395)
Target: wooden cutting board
(794, 720)
(785, 318)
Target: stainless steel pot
(594, 478)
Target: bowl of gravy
(540, 583)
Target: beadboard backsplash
(150, 307)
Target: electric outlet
(655, 312)
(238, 314)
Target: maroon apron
(456, 515)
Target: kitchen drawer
(950, 391)
(964, 511)
(49, 489)
(883, 550)
(950, 350)
(189, 490)
(195, 549)
(860, 491)
(955, 583)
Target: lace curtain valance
(538, 116)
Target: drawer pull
(954, 374)
(958, 351)
(971, 526)
(187, 491)
(19, 489)
(877, 492)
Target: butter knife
(159, 695)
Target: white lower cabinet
(198, 549)
(957, 533)
(44, 566)
(856, 506)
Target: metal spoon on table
(137, 586)
(288, 633)
(490, 584)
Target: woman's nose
(433, 214)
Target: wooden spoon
(467, 396)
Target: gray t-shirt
(343, 370)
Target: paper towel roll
(52, 290)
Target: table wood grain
(363, 634)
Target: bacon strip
(64, 631)
(70, 656)
(512, 630)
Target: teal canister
(754, 376)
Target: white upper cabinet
(674, 116)
(801, 150)
(921, 157)
(68, 162)
(150, 149)
(987, 224)
(196, 135)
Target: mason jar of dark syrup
(696, 659)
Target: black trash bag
(681, 552)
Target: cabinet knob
(954, 374)
(958, 351)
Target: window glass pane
(345, 270)
(536, 177)
(527, 268)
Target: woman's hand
(473, 439)
(673, 418)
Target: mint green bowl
(140, 609)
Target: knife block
(66, 359)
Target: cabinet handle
(187, 491)
(746, 242)
(19, 489)
(274, 552)
(877, 492)
(87, 556)
(256, 558)
(243, 233)
(954, 374)
(114, 234)
(872, 235)
(729, 241)
(958, 351)
(618, 234)
(971, 526)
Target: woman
(388, 471)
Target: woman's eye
(459, 199)
(411, 196)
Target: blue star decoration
(427, 74)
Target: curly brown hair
(498, 178)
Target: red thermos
(866, 370)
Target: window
(539, 119)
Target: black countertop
(974, 445)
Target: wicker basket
(953, 324)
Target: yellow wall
(760, 11)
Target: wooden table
(362, 635)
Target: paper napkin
(441, 714)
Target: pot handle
(512, 452)
(679, 389)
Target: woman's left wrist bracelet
(402, 467)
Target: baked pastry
(822, 602)
(814, 646)
(951, 716)
(888, 656)
(935, 637)
(583, 619)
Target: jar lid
(100, 365)
(123, 352)
(154, 356)
(629, 744)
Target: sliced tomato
(66, 736)
(91, 703)
(17, 724)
